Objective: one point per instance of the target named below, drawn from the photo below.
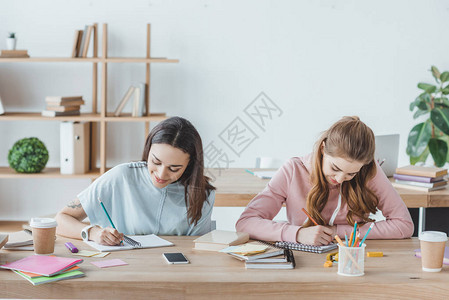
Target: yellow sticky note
(86, 253)
(249, 249)
(101, 254)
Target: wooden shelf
(84, 117)
(6, 172)
(126, 117)
(90, 60)
(36, 116)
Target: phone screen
(175, 258)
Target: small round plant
(28, 155)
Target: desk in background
(235, 187)
(212, 275)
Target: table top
(236, 187)
(212, 274)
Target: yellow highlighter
(374, 254)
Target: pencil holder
(351, 260)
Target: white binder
(75, 143)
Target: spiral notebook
(302, 247)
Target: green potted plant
(432, 135)
(11, 41)
(28, 155)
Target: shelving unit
(98, 117)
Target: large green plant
(431, 136)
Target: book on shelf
(87, 41)
(62, 108)
(77, 42)
(268, 251)
(217, 240)
(52, 113)
(421, 171)
(423, 184)
(62, 99)
(83, 41)
(139, 100)
(124, 100)
(14, 53)
(417, 178)
(417, 188)
(78, 102)
(287, 263)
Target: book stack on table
(420, 178)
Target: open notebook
(303, 247)
(146, 241)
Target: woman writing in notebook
(166, 193)
(339, 184)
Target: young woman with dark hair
(166, 193)
(338, 184)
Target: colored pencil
(309, 216)
(366, 234)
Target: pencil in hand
(309, 216)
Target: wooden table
(212, 275)
(236, 187)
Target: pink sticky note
(109, 263)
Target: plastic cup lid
(43, 223)
(433, 236)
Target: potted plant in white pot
(11, 41)
(432, 136)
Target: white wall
(317, 60)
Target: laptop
(387, 151)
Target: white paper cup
(432, 250)
(351, 260)
(44, 232)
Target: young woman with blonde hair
(338, 184)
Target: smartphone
(175, 258)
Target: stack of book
(257, 255)
(420, 178)
(62, 106)
(14, 53)
(39, 269)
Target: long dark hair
(351, 139)
(180, 133)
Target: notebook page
(147, 241)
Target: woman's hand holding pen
(316, 235)
(106, 236)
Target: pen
(381, 162)
(309, 216)
(252, 173)
(366, 234)
(107, 215)
(346, 240)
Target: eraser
(374, 254)
(71, 247)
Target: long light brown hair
(181, 134)
(352, 140)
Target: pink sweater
(290, 186)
